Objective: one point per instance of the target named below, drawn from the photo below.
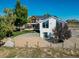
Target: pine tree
(21, 13)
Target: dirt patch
(33, 40)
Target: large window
(46, 24)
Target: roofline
(47, 19)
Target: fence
(49, 51)
(52, 45)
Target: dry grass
(37, 52)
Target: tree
(73, 22)
(17, 16)
(3, 28)
(21, 14)
(7, 11)
(9, 20)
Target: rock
(45, 50)
(72, 52)
(9, 43)
(2, 43)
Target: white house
(46, 27)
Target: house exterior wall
(52, 25)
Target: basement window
(45, 34)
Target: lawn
(18, 33)
(22, 32)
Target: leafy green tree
(17, 16)
(9, 20)
(6, 23)
(21, 14)
(2, 28)
(7, 11)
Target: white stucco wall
(52, 25)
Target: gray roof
(44, 17)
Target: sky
(64, 9)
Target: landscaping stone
(9, 43)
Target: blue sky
(64, 9)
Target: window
(45, 34)
(46, 24)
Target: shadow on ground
(52, 40)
